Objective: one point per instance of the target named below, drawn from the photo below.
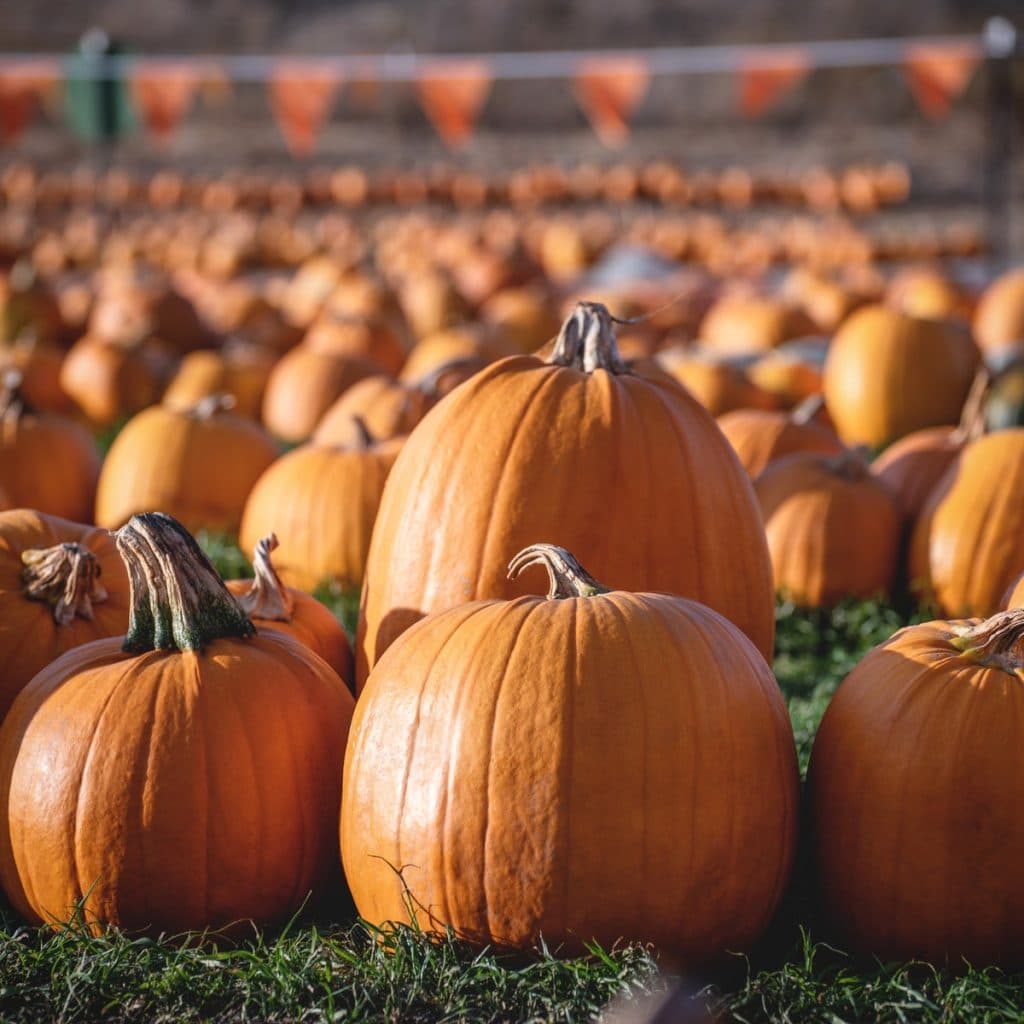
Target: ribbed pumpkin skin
(626, 471)
(888, 374)
(829, 537)
(198, 470)
(496, 755)
(112, 764)
(760, 436)
(312, 625)
(913, 466)
(386, 407)
(968, 545)
(916, 782)
(29, 637)
(1014, 597)
(321, 502)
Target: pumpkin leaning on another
(581, 810)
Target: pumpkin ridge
(66, 577)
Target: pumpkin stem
(851, 464)
(268, 597)
(972, 419)
(998, 642)
(587, 341)
(430, 382)
(66, 577)
(566, 576)
(807, 410)
(210, 405)
(178, 600)
(366, 440)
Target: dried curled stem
(66, 577)
(587, 340)
(852, 464)
(267, 597)
(998, 642)
(566, 577)
(972, 418)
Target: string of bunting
(453, 91)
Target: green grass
(327, 965)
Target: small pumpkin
(740, 324)
(363, 338)
(579, 813)
(466, 345)
(210, 797)
(238, 370)
(718, 385)
(999, 318)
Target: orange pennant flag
(301, 97)
(609, 89)
(452, 94)
(766, 77)
(162, 93)
(938, 73)
(22, 87)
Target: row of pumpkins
(498, 775)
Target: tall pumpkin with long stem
(618, 464)
(182, 777)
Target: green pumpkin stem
(66, 577)
(587, 340)
(178, 600)
(998, 642)
(566, 577)
(267, 597)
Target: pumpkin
(322, 502)
(833, 530)
(39, 365)
(927, 291)
(209, 797)
(968, 544)
(760, 436)
(270, 604)
(522, 317)
(582, 811)
(888, 374)
(47, 461)
(916, 781)
(61, 585)
(739, 324)
(466, 345)
(718, 385)
(520, 448)
(303, 386)
(27, 306)
(238, 370)
(792, 372)
(1014, 596)
(362, 338)
(431, 303)
(999, 317)
(198, 464)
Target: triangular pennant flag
(609, 89)
(301, 96)
(938, 73)
(162, 93)
(764, 78)
(452, 94)
(22, 87)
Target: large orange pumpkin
(197, 464)
(888, 374)
(968, 544)
(581, 809)
(182, 777)
(61, 585)
(622, 465)
(916, 782)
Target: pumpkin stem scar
(268, 597)
(998, 642)
(66, 577)
(211, 405)
(587, 341)
(178, 600)
(567, 578)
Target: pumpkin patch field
(464, 598)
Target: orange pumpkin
(628, 838)
(372, 340)
(999, 318)
(270, 604)
(792, 372)
(718, 385)
(522, 317)
(833, 530)
(888, 374)
(209, 797)
(198, 464)
(525, 445)
(61, 585)
(739, 324)
(39, 365)
(927, 291)
(915, 785)
(241, 371)
(467, 345)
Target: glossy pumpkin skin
(198, 469)
(626, 470)
(888, 374)
(915, 785)
(832, 532)
(30, 638)
(760, 437)
(579, 810)
(968, 544)
(913, 466)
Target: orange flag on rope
(766, 77)
(301, 97)
(938, 73)
(609, 89)
(22, 87)
(162, 93)
(452, 94)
